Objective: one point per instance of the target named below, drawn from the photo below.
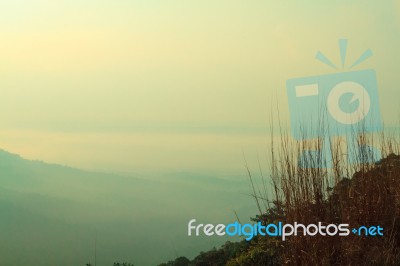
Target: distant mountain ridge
(51, 213)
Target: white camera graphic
(341, 103)
(344, 103)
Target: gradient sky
(172, 85)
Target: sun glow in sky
(172, 85)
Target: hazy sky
(172, 85)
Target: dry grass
(358, 194)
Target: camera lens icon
(359, 94)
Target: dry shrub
(356, 194)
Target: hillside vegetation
(366, 193)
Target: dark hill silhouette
(369, 198)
